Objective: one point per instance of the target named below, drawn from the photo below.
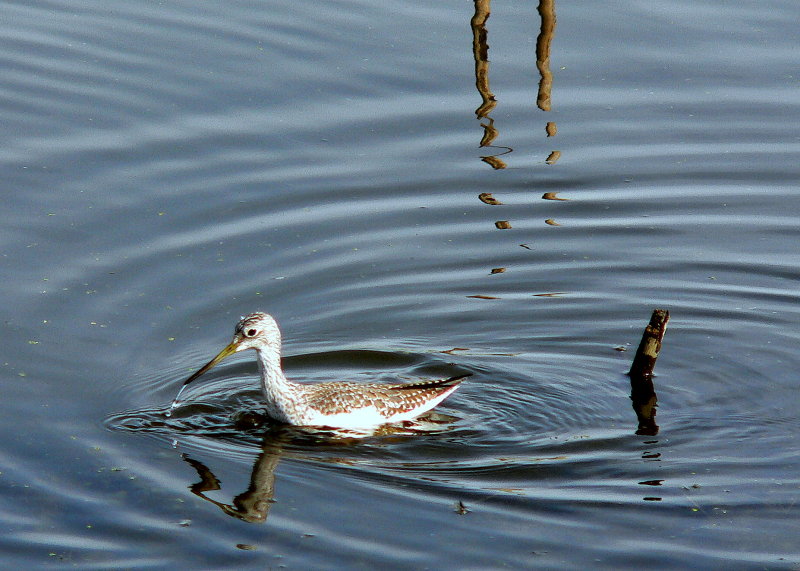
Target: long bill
(229, 350)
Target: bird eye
(251, 332)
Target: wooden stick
(643, 394)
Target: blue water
(170, 167)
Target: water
(169, 168)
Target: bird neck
(279, 392)
(269, 363)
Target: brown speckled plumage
(337, 404)
(339, 397)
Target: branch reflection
(547, 12)
(480, 52)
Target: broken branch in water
(643, 394)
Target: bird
(334, 404)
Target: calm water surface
(170, 167)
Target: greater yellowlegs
(337, 404)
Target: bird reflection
(253, 504)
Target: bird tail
(451, 382)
